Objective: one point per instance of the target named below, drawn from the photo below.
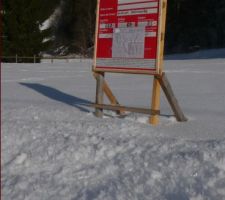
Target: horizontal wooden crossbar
(126, 108)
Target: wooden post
(34, 59)
(99, 94)
(100, 75)
(165, 84)
(154, 119)
(16, 58)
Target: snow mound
(89, 158)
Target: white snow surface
(54, 148)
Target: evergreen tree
(22, 21)
(4, 28)
(63, 27)
(76, 25)
(195, 24)
(85, 25)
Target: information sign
(127, 36)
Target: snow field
(54, 148)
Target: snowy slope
(54, 148)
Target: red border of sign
(135, 70)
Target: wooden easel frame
(160, 81)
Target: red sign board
(127, 37)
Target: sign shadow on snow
(58, 95)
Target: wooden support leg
(165, 84)
(154, 119)
(99, 93)
(110, 95)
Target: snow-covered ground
(53, 148)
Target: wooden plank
(165, 84)
(108, 91)
(110, 94)
(126, 108)
(154, 119)
(111, 97)
(140, 72)
(99, 94)
(162, 38)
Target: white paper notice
(128, 42)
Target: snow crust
(54, 148)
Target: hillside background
(62, 27)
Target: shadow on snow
(58, 95)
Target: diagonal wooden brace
(110, 95)
(167, 89)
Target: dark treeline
(75, 27)
(21, 26)
(195, 24)
(191, 25)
